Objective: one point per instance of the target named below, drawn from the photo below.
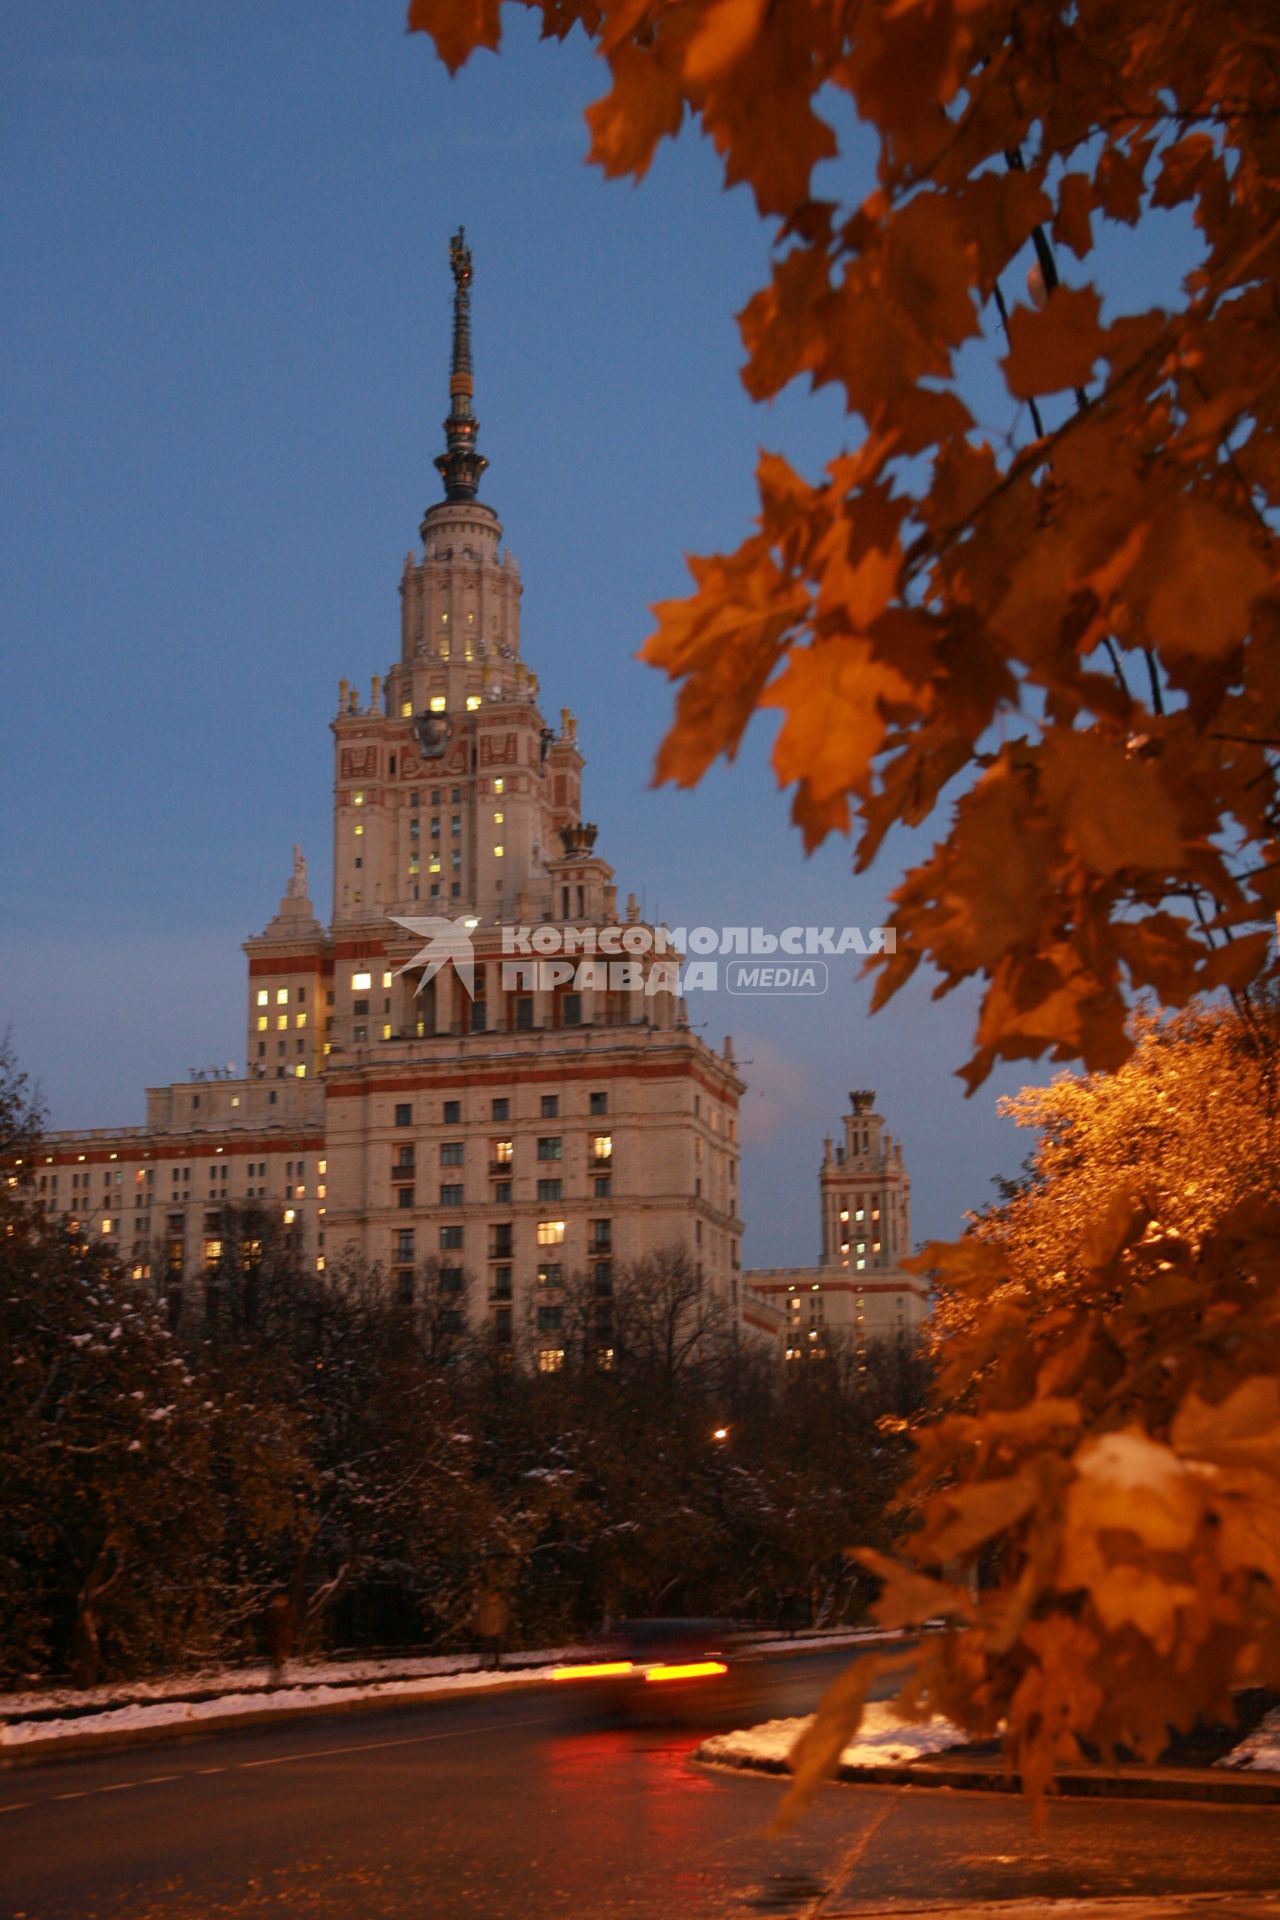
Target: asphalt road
(518, 1808)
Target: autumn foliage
(1082, 627)
(1095, 1508)
(1061, 635)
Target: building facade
(858, 1290)
(421, 1090)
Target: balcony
(403, 1171)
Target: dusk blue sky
(224, 359)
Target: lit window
(603, 1146)
(301, 1072)
(503, 1151)
(860, 1264)
(844, 1214)
(290, 1215)
(386, 979)
(322, 1166)
(299, 1020)
(473, 701)
(282, 1021)
(262, 1023)
(386, 1029)
(406, 709)
(357, 799)
(499, 786)
(550, 1233)
(498, 818)
(498, 853)
(437, 703)
(359, 829)
(263, 996)
(361, 982)
(550, 1359)
(282, 996)
(106, 1226)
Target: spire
(460, 466)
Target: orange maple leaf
(1055, 348)
(833, 695)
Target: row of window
(547, 1233)
(281, 997)
(549, 1279)
(601, 1189)
(415, 796)
(451, 1193)
(499, 1109)
(218, 1171)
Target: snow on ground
(1259, 1751)
(884, 1739)
(259, 1679)
(282, 1700)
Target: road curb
(1171, 1783)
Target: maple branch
(1116, 667)
(927, 545)
(1002, 309)
(1157, 698)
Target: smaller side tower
(865, 1194)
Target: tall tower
(451, 792)
(489, 1134)
(865, 1194)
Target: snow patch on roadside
(282, 1700)
(260, 1680)
(884, 1739)
(1259, 1751)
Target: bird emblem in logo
(447, 942)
